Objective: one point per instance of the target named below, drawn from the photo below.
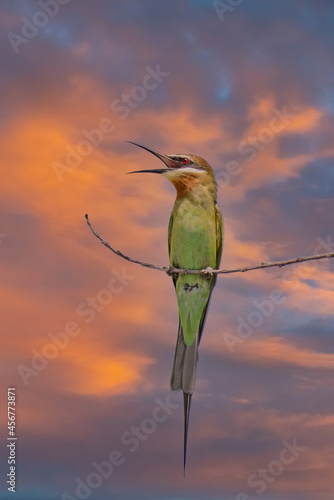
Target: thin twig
(121, 254)
(282, 263)
(170, 270)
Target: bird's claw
(208, 272)
(170, 270)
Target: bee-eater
(195, 237)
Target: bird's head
(185, 171)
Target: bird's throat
(184, 184)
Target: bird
(195, 241)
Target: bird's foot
(208, 272)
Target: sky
(88, 338)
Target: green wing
(219, 234)
(170, 229)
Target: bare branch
(119, 253)
(170, 270)
(282, 263)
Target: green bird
(195, 239)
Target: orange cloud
(94, 373)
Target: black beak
(169, 162)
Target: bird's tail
(183, 377)
(184, 366)
(187, 402)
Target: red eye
(185, 160)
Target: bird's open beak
(169, 162)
